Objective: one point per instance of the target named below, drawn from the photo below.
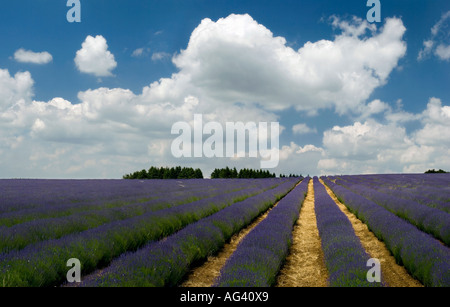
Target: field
(274, 232)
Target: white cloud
(238, 59)
(373, 147)
(362, 140)
(438, 41)
(374, 107)
(27, 56)
(355, 27)
(436, 120)
(95, 58)
(14, 89)
(378, 107)
(427, 49)
(140, 52)
(158, 56)
(440, 24)
(443, 52)
(303, 129)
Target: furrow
(304, 266)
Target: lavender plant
(260, 255)
(164, 263)
(21, 235)
(345, 257)
(427, 219)
(432, 190)
(44, 263)
(423, 256)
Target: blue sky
(399, 125)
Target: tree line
(191, 173)
(166, 173)
(433, 171)
(290, 175)
(229, 173)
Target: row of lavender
(26, 200)
(259, 257)
(42, 228)
(428, 219)
(421, 254)
(431, 190)
(44, 263)
(20, 194)
(165, 263)
(345, 257)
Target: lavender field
(156, 233)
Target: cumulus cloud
(95, 58)
(28, 56)
(354, 27)
(14, 89)
(140, 52)
(436, 120)
(158, 56)
(303, 129)
(443, 52)
(238, 59)
(438, 43)
(374, 147)
(362, 140)
(374, 107)
(384, 110)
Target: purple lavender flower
(345, 257)
(164, 263)
(422, 255)
(259, 256)
(44, 263)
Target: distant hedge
(166, 173)
(243, 173)
(433, 171)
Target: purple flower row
(427, 219)
(345, 257)
(21, 235)
(44, 263)
(24, 203)
(260, 255)
(422, 255)
(165, 263)
(14, 218)
(432, 190)
(21, 194)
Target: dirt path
(393, 274)
(206, 274)
(305, 266)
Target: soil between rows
(305, 266)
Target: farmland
(272, 232)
